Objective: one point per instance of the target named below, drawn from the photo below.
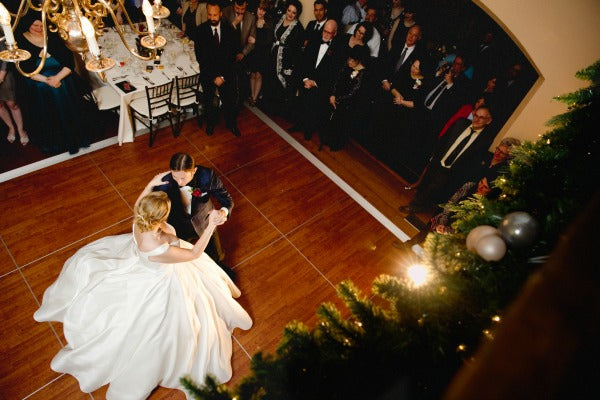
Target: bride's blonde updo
(152, 210)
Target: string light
(418, 274)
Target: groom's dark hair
(182, 162)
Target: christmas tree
(411, 337)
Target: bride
(143, 309)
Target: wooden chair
(187, 96)
(153, 109)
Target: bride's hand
(158, 179)
(216, 218)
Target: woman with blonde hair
(143, 309)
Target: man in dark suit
(216, 46)
(244, 25)
(320, 63)
(456, 160)
(191, 188)
(397, 63)
(449, 91)
(314, 28)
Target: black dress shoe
(210, 130)
(307, 135)
(236, 132)
(406, 209)
(294, 128)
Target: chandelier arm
(23, 7)
(118, 29)
(44, 50)
(126, 14)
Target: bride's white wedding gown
(137, 324)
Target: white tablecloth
(178, 59)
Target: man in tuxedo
(314, 28)
(216, 46)
(320, 63)
(456, 160)
(191, 188)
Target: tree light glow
(418, 274)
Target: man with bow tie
(320, 62)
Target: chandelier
(78, 22)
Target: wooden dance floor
(293, 235)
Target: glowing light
(461, 347)
(418, 274)
(496, 318)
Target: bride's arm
(176, 254)
(156, 181)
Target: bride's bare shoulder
(146, 241)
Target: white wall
(560, 38)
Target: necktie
(434, 95)
(216, 36)
(316, 27)
(458, 149)
(325, 42)
(401, 59)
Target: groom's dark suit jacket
(208, 184)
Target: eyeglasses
(500, 151)
(480, 116)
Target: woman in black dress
(258, 59)
(347, 100)
(286, 51)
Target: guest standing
(286, 52)
(258, 59)
(216, 45)
(347, 100)
(193, 13)
(9, 109)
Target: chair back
(158, 98)
(188, 88)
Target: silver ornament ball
(519, 229)
(491, 248)
(477, 233)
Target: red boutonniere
(196, 192)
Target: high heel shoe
(11, 137)
(24, 138)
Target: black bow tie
(324, 42)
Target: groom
(190, 188)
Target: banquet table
(177, 59)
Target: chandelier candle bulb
(147, 10)
(90, 36)
(5, 22)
